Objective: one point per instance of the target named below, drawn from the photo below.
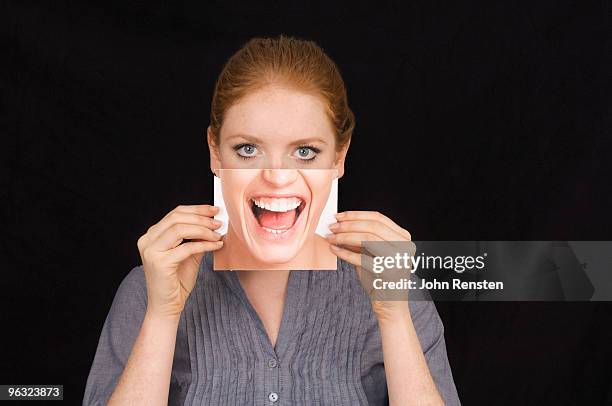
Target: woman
(179, 333)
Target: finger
(351, 239)
(178, 232)
(349, 256)
(381, 230)
(357, 242)
(352, 249)
(364, 271)
(184, 251)
(201, 209)
(375, 216)
(184, 218)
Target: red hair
(285, 61)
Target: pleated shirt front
(328, 350)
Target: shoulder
(134, 280)
(132, 289)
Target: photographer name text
(434, 284)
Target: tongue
(276, 220)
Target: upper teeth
(281, 204)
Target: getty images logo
(458, 263)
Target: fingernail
(220, 242)
(339, 215)
(217, 222)
(334, 226)
(335, 247)
(330, 235)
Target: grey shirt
(328, 350)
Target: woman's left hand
(346, 241)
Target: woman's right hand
(171, 265)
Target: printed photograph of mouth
(275, 219)
(277, 216)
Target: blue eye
(306, 153)
(246, 150)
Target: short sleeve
(120, 330)
(430, 330)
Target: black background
(475, 121)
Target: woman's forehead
(278, 115)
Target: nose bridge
(280, 177)
(273, 161)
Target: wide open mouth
(277, 215)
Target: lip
(280, 235)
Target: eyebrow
(250, 138)
(257, 140)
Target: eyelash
(239, 146)
(312, 148)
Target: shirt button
(272, 363)
(273, 397)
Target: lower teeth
(271, 230)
